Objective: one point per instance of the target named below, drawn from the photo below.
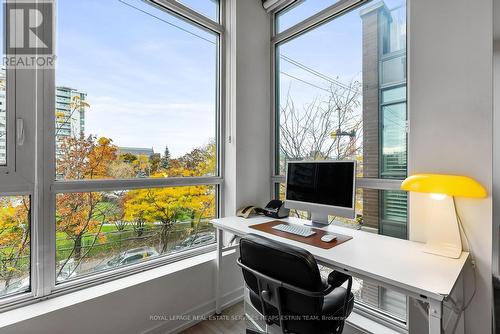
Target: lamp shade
(451, 185)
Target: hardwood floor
(231, 321)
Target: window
(340, 91)
(125, 173)
(99, 231)
(143, 105)
(15, 242)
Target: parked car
(195, 240)
(128, 257)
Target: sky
(151, 84)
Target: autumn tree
(79, 214)
(167, 206)
(154, 162)
(14, 238)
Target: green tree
(165, 160)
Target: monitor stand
(318, 220)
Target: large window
(136, 101)
(341, 94)
(117, 147)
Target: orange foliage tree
(14, 237)
(166, 206)
(78, 214)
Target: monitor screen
(328, 183)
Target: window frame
(328, 14)
(38, 180)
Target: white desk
(397, 264)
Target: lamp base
(443, 233)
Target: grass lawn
(116, 241)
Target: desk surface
(399, 263)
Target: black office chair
(286, 287)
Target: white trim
(361, 182)
(105, 185)
(313, 21)
(178, 9)
(276, 5)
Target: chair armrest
(337, 278)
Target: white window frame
(327, 14)
(33, 172)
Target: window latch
(20, 131)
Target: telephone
(273, 209)
(246, 211)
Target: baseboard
(194, 314)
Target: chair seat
(330, 314)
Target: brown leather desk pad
(313, 240)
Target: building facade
(70, 111)
(384, 116)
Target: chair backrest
(285, 263)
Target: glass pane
(330, 99)
(394, 94)
(380, 298)
(3, 97)
(385, 211)
(299, 11)
(208, 8)
(393, 70)
(136, 95)
(14, 244)
(393, 22)
(100, 231)
(394, 141)
(394, 214)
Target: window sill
(42, 306)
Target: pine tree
(165, 160)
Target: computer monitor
(322, 187)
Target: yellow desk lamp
(443, 231)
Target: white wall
(496, 155)
(450, 91)
(248, 165)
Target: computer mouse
(328, 238)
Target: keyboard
(295, 229)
